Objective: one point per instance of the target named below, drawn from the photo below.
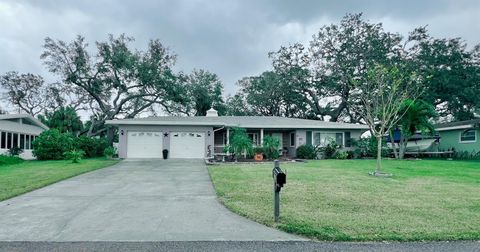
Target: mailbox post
(279, 179)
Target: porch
(287, 138)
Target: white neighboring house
(19, 130)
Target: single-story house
(19, 130)
(205, 136)
(460, 136)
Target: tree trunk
(379, 154)
(403, 146)
(110, 135)
(395, 151)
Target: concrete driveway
(135, 200)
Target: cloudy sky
(228, 37)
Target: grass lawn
(338, 200)
(20, 178)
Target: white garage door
(144, 144)
(187, 145)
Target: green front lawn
(20, 178)
(338, 200)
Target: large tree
(65, 119)
(203, 90)
(452, 74)
(323, 74)
(121, 82)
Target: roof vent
(212, 112)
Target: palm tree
(416, 117)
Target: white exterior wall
(18, 127)
(122, 144)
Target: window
(468, 136)
(348, 139)
(9, 140)
(3, 143)
(15, 140)
(339, 138)
(254, 138)
(316, 139)
(324, 138)
(22, 141)
(292, 139)
(28, 142)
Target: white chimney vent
(212, 112)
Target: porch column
(261, 137)
(228, 139)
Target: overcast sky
(230, 38)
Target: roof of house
(32, 120)
(457, 125)
(238, 121)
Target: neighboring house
(461, 136)
(19, 130)
(204, 136)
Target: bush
(341, 155)
(271, 146)
(51, 144)
(330, 150)
(74, 155)
(15, 151)
(93, 147)
(239, 143)
(306, 152)
(258, 150)
(367, 147)
(110, 151)
(8, 160)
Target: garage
(144, 144)
(187, 145)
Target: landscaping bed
(338, 200)
(16, 179)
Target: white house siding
(18, 127)
(124, 129)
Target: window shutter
(309, 138)
(348, 139)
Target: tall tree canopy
(120, 82)
(65, 119)
(320, 77)
(203, 90)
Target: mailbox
(279, 178)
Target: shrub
(258, 150)
(74, 155)
(8, 160)
(271, 146)
(110, 151)
(93, 147)
(15, 151)
(350, 154)
(368, 147)
(239, 143)
(341, 155)
(52, 144)
(330, 150)
(306, 152)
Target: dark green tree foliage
(203, 90)
(65, 119)
(120, 82)
(417, 116)
(453, 72)
(52, 144)
(317, 81)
